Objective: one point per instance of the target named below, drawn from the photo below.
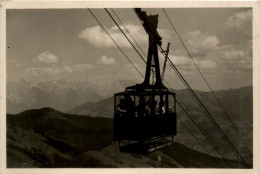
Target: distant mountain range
(236, 102)
(60, 94)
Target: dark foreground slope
(49, 138)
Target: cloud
(136, 31)
(37, 71)
(67, 69)
(13, 62)
(209, 54)
(46, 57)
(107, 61)
(231, 53)
(200, 43)
(186, 64)
(165, 34)
(48, 70)
(179, 60)
(129, 71)
(241, 21)
(82, 67)
(234, 57)
(206, 64)
(96, 35)
(57, 70)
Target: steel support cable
(145, 62)
(181, 104)
(203, 132)
(208, 113)
(161, 50)
(191, 131)
(115, 42)
(113, 39)
(184, 108)
(200, 129)
(128, 32)
(176, 72)
(189, 89)
(194, 136)
(210, 117)
(124, 34)
(233, 125)
(168, 84)
(165, 81)
(127, 37)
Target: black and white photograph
(131, 87)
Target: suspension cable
(115, 42)
(184, 125)
(204, 108)
(136, 49)
(124, 34)
(219, 103)
(204, 133)
(128, 32)
(212, 119)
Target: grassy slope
(48, 138)
(50, 134)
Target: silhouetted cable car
(146, 113)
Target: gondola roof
(146, 92)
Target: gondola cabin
(146, 113)
(144, 116)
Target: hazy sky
(55, 44)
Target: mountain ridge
(59, 94)
(181, 93)
(49, 138)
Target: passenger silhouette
(141, 107)
(130, 106)
(160, 108)
(150, 107)
(121, 107)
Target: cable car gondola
(146, 113)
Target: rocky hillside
(48, 138)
